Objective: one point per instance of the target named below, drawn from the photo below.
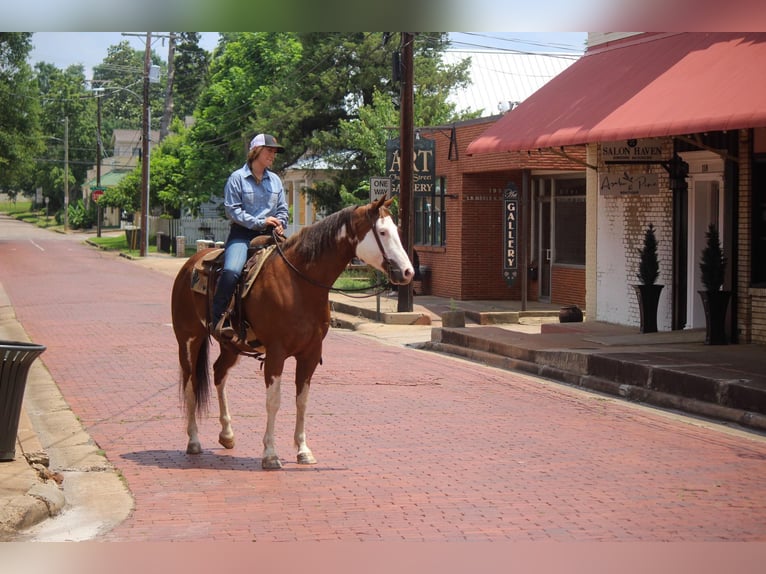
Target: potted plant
(647, 291)
(715, 301)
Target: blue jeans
(235, 255)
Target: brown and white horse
(288, 310)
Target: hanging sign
(423, 165)
(510, 247)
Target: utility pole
(66, 173)
(99, 209)
(145, 151)
(407, 153)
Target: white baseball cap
(266, 140)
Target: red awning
(645, 86)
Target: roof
(651, 85)
(499, 77)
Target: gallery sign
(623, 183)
(633, 151)
(510, 250)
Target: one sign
(379, 187)
(616, 184)
(96, 192)
(634, 150)
(424, 165)
(510, 247)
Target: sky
(63, 49)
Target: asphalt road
(411, 445)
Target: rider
(254, 201)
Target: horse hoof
(271, 463)
(193, 448)
(226, 442)
(306, 458)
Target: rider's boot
(223, 329)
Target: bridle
(380, 286)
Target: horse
(288, 310)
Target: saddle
(204, 279)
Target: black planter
(715, 304)
(648, 300)
(15, 359)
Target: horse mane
(313, 240)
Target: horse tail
(201, 376)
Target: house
(674, 129)
(126, 151)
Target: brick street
(412, 446)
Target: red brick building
(460, 227)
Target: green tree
(19, 114)
(65, 98)
(191, 63)
(121, 75)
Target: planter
(648, 301)
(715, 304)
(15, 360)
(570, 314)
(454, 319)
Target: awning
(645, 86)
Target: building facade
(674, 126)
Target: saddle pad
(253, 267)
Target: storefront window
(430, 217)
(570, 222)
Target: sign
(423, 166)
(96, 192)
(634, 150)
(379, 187)
(616, 184)
(511, 227)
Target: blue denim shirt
(248, 203)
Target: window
(430, 215)
(570, 222)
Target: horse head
(381, 246)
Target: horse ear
(376, 204)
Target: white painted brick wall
(622, 222)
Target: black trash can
(15, 360)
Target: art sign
(424, 166)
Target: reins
(377, 288)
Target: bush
(81, 217)
(649, 265)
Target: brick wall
(622, 222)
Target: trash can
(15, 360)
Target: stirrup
(223, 330)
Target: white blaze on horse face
(369, 251)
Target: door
(544, 256)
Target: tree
(191, 63)
(64, 97)
(20, 139)
(121, 74)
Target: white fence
(192, 228)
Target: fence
(192, 228)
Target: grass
(22, 210)
(357, 279)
